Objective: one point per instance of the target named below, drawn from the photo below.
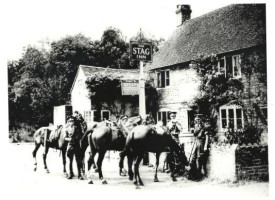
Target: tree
(65, 57)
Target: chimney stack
(183, 14)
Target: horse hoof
(130, 178)
(34, 169)
(174, 179)
(156, 180)
(80, 178)
(47, 171)
(141, 183)
(104, 182)
(138, 187)
(90, 182)
(122, 174)
(70, 176)
(96, 170)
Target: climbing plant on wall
(107, 89)
(217, 89)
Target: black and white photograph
(137, 99)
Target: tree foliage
(42, 77)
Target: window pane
(239, 124)
(168, 115)
(159, 116)
(162, 79)
(229, 66)
(223, 123)
(190, 119)
(167, 78)
(264, 112)
(231, 113)
(239, 113)
(105, 115)
(159, 79)
(231, 118)
(223, 113)
(164, 118)
(221, 65)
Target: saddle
(55, 133)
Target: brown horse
(105, 136)
(150, 138)
(51, 137)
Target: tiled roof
(115, 73)
(230, 28)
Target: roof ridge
(106, 68)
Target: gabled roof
(89, 71)
(230, 28)
(115, 73)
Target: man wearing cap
(201, 133)
(73, 135)
(174, 127)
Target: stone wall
(252, 162)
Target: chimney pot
(183, 13)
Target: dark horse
(41, 137)
(51, 137)
(149, 138)
(108, 136)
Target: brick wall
(252, 162)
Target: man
(174, 127)
(200, 154)
(73, 135)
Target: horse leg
(171, 166)
(157, 164)
(37, 145)
(101, 155)
(45, 157)
(63, 151)
(130, 163)
(138, 180)
(122, 171)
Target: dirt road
(23, 183)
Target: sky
(31, 21)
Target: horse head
(148, 119)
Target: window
(163, 116)
(231, 117)
(230, 66)
(236, 66)
(163, 78)
(105, 115)
(191, 117)
(88, 116)
(264, 112)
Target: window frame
(166, 78)
(101, 114)
(238, 61)
(235, 118)
(160, 113)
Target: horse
(51, 137)
(42, 136)
(108, 136)
(150, 138)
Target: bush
(249, 134)
(24, 133)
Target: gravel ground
(23, 183)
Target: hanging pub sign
(141, 51)
(129, 87)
